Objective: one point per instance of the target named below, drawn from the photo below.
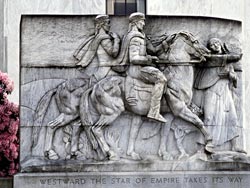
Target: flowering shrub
(9, 122)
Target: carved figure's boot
(154, 111)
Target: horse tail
(40, 112)
(86, 118)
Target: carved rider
(99, 50)
(142, 67)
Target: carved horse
(182, 50)
(67, 96)
(179, 50)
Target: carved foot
(113, 156)
(51, 154)
(239, 150)
(135, 156)
(209, 147)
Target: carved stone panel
(102, 93)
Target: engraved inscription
(152, 181)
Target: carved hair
(223, 45)
(133, 18)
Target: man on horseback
(98, 51)
(142, 67)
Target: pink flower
(9, 124)
(13, 128)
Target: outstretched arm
(233, 57)
(221, 59)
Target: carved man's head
(137, 19)
(102, 21)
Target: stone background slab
(44, 38)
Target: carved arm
(137, 52)
(112, 47)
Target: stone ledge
(199, 179)
(197, 162)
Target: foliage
(9, 123)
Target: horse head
(183, 47)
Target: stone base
(198, 179)
(6, 182)
(197, 162)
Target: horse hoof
(80, 156)
(51, 154)
(113, 156)
(68, 157)
(135, 156)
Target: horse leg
(76, 132)
(187, 115)
(98, 132)
(180, 147)
(49, 151)
(92, 139)
(52, 126)
(180, 109)
(134, 130)
(165, 129)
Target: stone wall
(222, 9)
(236, 10)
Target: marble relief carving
(151, 85)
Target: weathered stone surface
(14, 9)
(199, 179)
(46, 72)
(69, 32)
